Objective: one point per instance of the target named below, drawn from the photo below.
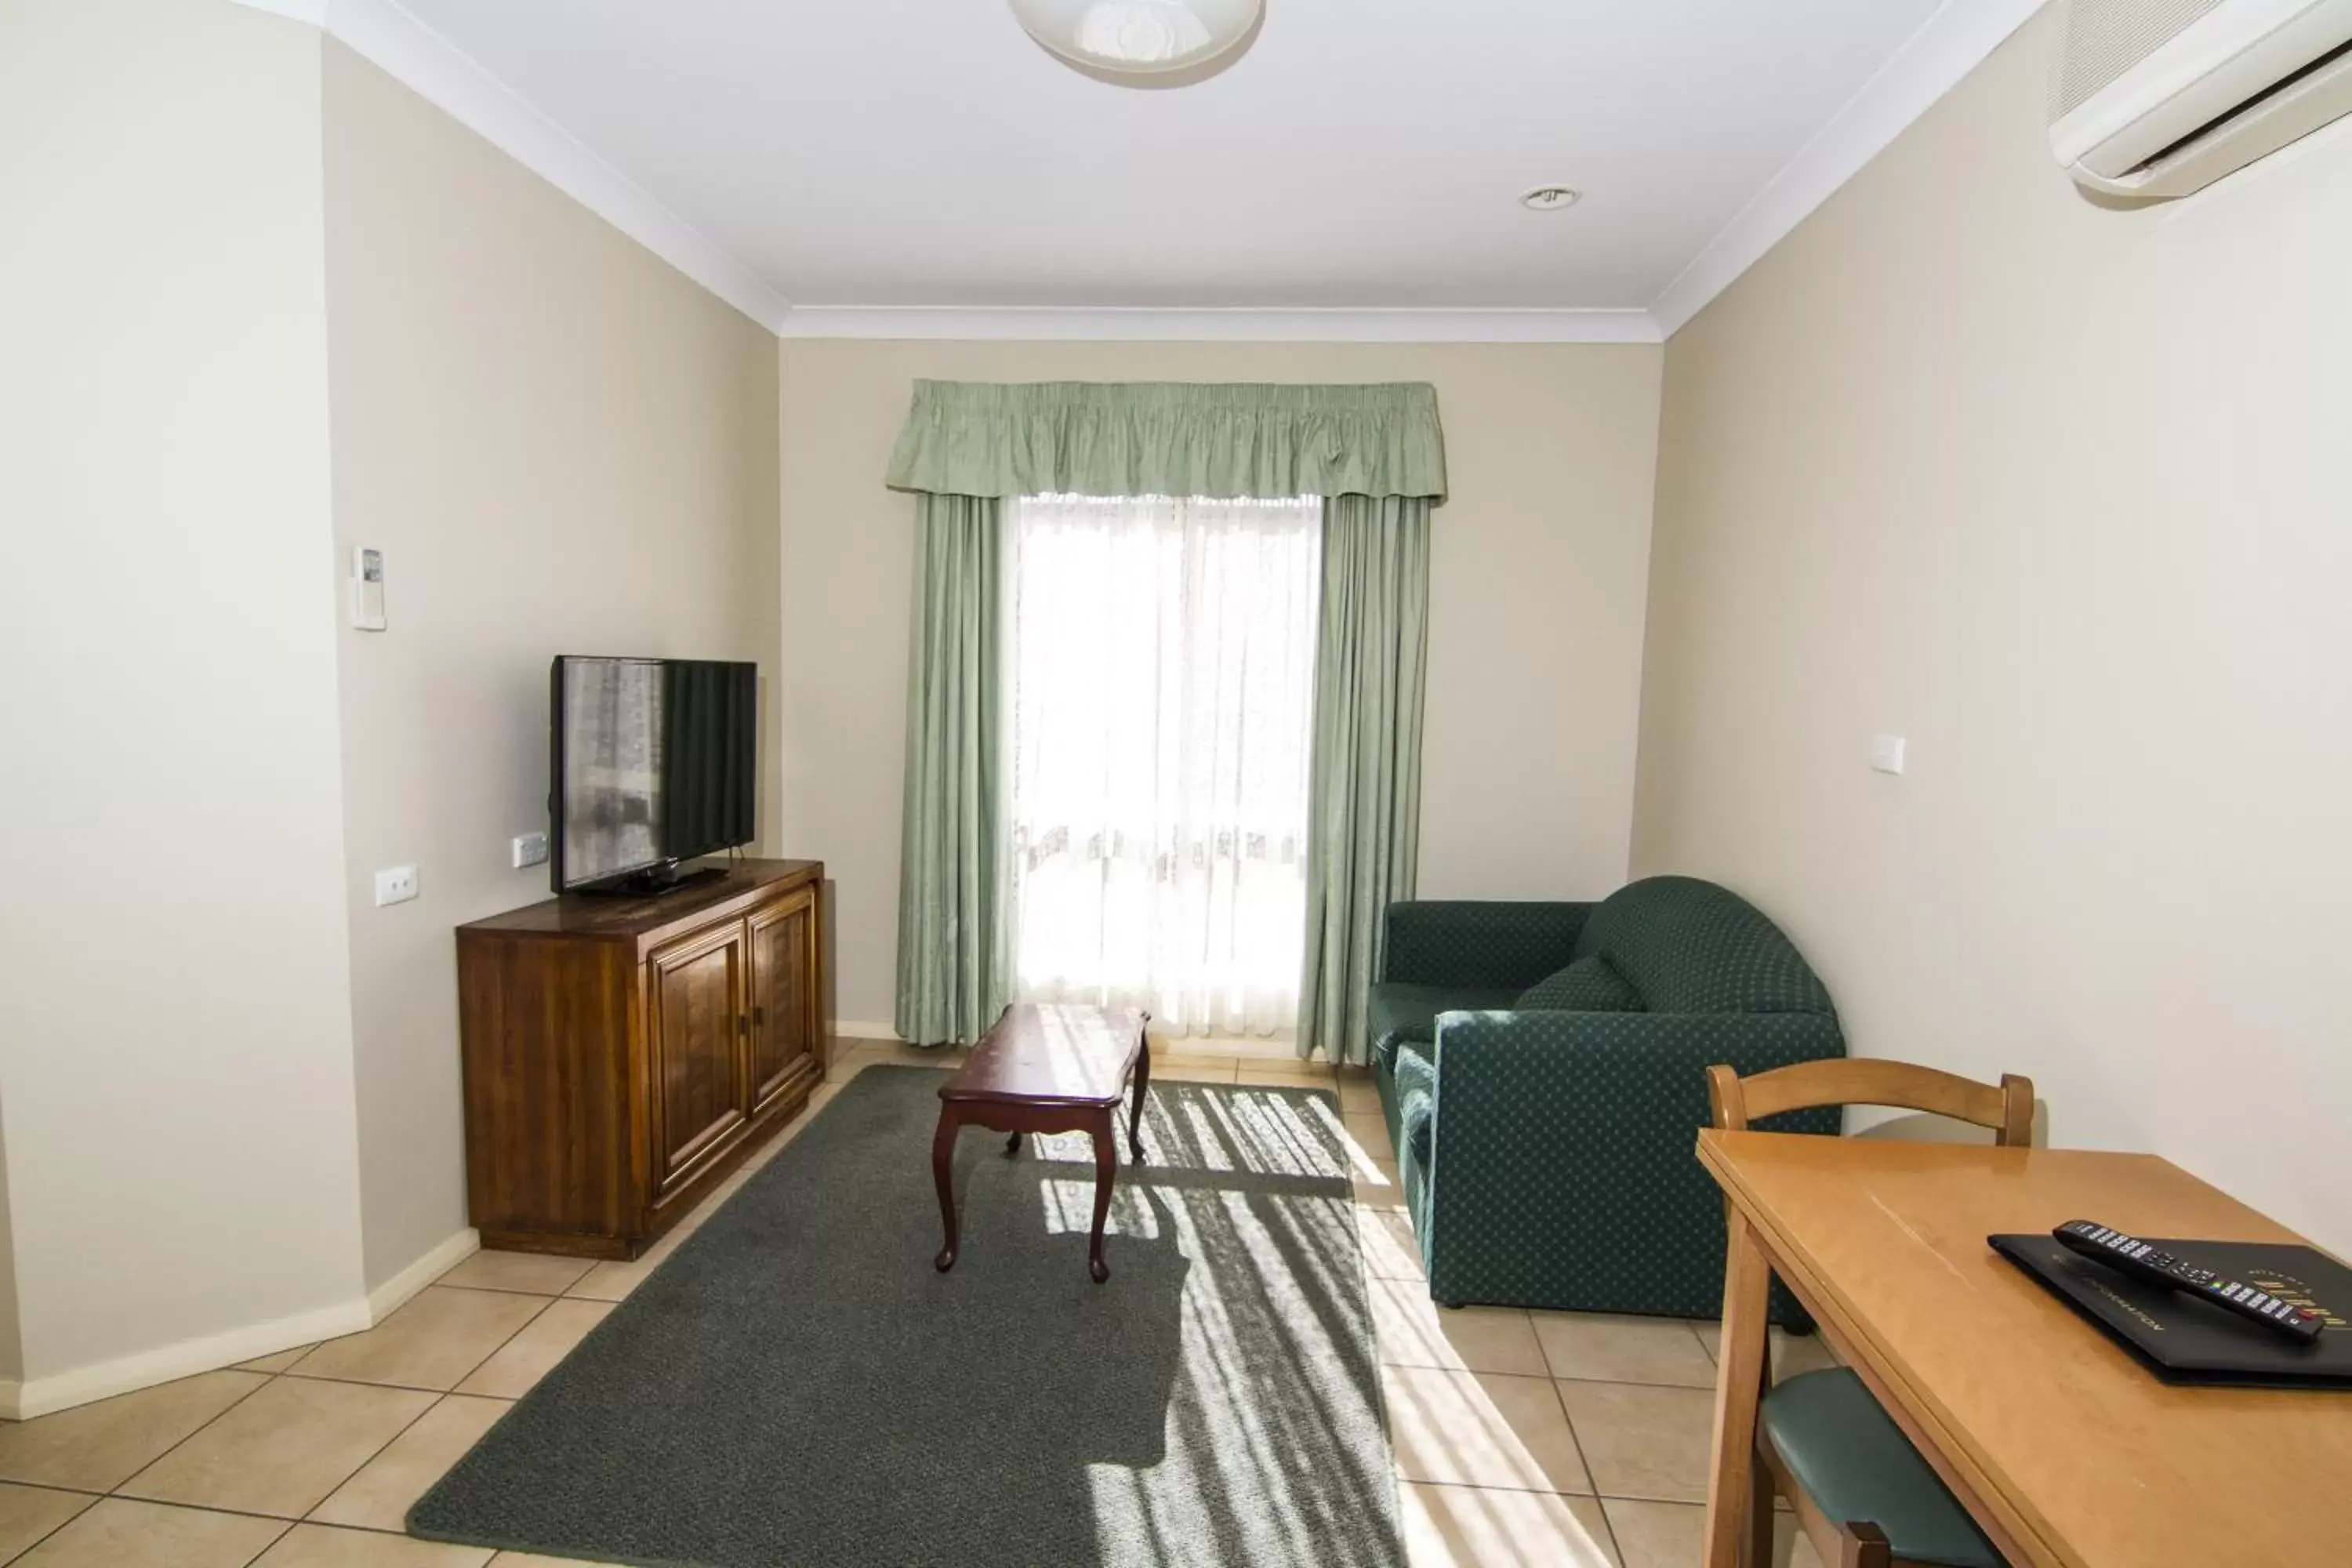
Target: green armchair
(1547, 1156)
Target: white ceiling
(1362, 155)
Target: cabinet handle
(742, 1023)
(760, 1017)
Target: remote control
(2143, 1261)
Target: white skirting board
(394, 1293)
(62, 1391)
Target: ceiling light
(1140, 37)
(1550, 198)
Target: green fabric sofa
(1547, 1156)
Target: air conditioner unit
(2160, 97)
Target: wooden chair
(1859, 1489)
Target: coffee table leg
(1142, 1088)
(943, 1177)
(1105, 1137)
(1012, 1146)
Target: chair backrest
(2008, 1108)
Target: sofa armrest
(1483, 943)
(1588, 1120)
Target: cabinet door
(784, 1001)
(695, 1023)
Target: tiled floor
(1521, 1438)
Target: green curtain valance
(1181, 438)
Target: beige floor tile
(118, 1533)
(378, 1496)
(529, 1273)
(523, 1360)
(1674, 1535)
(28, 1513)
(96, 1448)
(612, 1282)
(1476, 1527)
(432, 1342)
(317, 1546)
(1377, 1182)
(1795, 1354)
(1276, 1074)
(282, 1450)
(1191, 1072)
(1370, 1134)
(1413, 1331)
(278, 1362)
(1390, 1250)
(1642, 1442)
(1480, 1429)
(1792, 1353)
(1359, 1098)
(1163, 1055)
(1596, 1345)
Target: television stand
(620, 1058)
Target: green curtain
(954, 966)
(1170, 438)
(1377, 456)
(1364, 779)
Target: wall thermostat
(367, 589)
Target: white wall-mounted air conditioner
(2160, 97)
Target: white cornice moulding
(450, 79)
(1948, 45)
(1056, 324)
(311, 11)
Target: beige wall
(1535, 618)
(2059, 493)
(175, 1060)
(562, 445)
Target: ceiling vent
(2156, 98)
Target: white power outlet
(530, 849)
(395, 885)
(1886, 752)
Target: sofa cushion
(1590, 984)
(1416, 1090)
(1400, 1012)
(1689, 946)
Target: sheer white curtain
(1163, 669)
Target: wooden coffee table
(1048, 1069)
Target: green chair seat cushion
(1856, 1465)
(1400, 1012)
(1590, 984)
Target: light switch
(1886, 753)
(530, 849)
(395, 885)
(367, 592)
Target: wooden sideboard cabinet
(622, 1054)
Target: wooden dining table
(2063, 1447)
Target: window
(1164, 674)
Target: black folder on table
(2183, 1340)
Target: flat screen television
(654, 761)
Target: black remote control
(2143, 1261)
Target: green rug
(797, 1384)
